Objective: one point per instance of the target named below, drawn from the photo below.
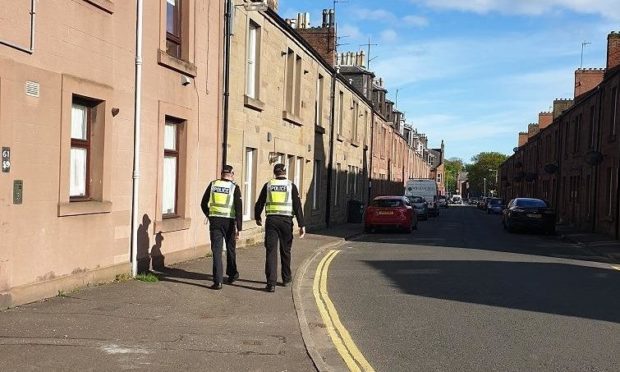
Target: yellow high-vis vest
(221, 202)
(279, 198)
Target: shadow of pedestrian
(143, 242)
(157, 258)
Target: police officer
(281, 201)
(221, 203)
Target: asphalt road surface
(462, 294)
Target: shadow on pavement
(553, 288)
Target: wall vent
(33, 89)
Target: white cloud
(389, 36)
(365, 14)
(416, 21)
(605, 8)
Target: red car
(390, 211)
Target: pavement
(601, 245)
(177, 323)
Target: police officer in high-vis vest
(221, 203)
(281, 201)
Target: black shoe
(216, 286)
(286, 283)
(270, 288)
(232, 279)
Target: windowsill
(355, 144)
(105, 5)
(291, 118)
(253, 103)
(172, 224)
(79, 208)
(340, 138)
(176, 64)
(319, 129)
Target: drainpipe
(32, 28)
(136, 141)
(227, 36)
(330, 164)
(372, 149)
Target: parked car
(529, 214)
(421, 207)
(495, 205)
(482, 203)
(390, 211)
(442, 201)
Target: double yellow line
(341, 338)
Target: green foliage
(453, 167)
(149, 278)
(484, 165)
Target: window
(316, 184)
(614, 110)
(290, 167)
(591, 128)
(577, 134)
(81, 117)
(173, 28)
(347, 176)
(299, 172)
(356, 112)
(249, 184)
(171, 168)
(336, 182)
(340, 113)
(318, 101)
(293, 83)
(251, 89)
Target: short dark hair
(279, 169)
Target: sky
(473, 73)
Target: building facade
(66, 126)
(573, 161)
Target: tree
(485, 165)
(452, 168)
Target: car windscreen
(416, 199)
(495, 201)
(530, 203)
(386, 203)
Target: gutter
(227, 36)
(330, 164)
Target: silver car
(421, 207)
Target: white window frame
(253, 47)
(249, 184)
(318, 103)
(299, 170)
(169, 205)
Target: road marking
(615, 267)
(341, 338)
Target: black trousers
(278, 229)
(223, 229)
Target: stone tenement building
(572, 159)
(68, 99)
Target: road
(461, 294)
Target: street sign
(6, 159)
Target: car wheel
(509, 227)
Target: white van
(457, 199)
(426, 188)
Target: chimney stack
(323, 38)
(587, 79)
(560, 105)
(522, 138)
(273, 4)
(613, 50)
(545, 119)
